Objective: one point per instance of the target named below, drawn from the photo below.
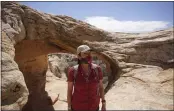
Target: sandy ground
(55, 86)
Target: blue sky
(114, 16)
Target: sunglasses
(87, 52)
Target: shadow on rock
(38, 99)
(38, 102)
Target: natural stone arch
(38, 56)
(25, 25)
(31, 57)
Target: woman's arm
(101, 90)
(69, 94)
(101, 83)
(102, 96)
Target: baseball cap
(83, 48)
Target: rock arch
(25, 31)
(31, 57)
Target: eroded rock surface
(139, 66)
(142, 88)
(14, 91)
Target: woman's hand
(103, 106)
(69, 109)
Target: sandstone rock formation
(139, 66)
(58, 63)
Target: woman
(85, 87)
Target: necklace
(86, 74)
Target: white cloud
(113, 25)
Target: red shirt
(85, 95)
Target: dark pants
(85, 110)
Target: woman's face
(85, 54)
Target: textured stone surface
(143, 88)
(58, 64)
(139, 66)
(13, 87)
